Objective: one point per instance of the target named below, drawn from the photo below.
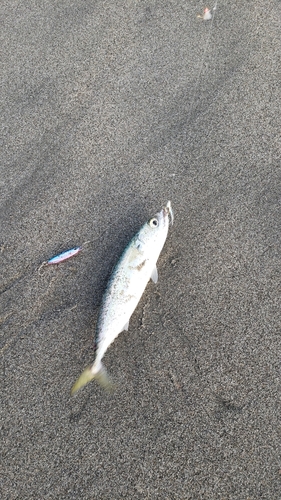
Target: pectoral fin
(154, 275)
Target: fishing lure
(61, 257)
(64, 255)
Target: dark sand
(110, 108)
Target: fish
(126, 285)
(64, 255)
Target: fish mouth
(168, 211)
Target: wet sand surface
(109, 109)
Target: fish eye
(153, 222)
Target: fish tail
(97, 372)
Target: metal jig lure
(61, 257)
(64, 255)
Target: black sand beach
(109, 109)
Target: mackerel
(135, 268)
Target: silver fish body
(135, 268)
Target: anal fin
(154, 275)
(126, 326)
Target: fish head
(153, 234)
(161, 220)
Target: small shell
(207, 14)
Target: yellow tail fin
(87, 375)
